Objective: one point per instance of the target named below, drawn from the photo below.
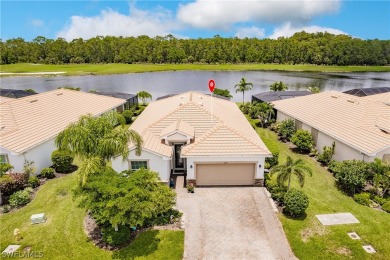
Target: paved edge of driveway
(273, 227)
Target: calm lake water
(163, 83)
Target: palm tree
(243, 86)
(291, 167)
(95, 140)
(143, 95)
(265, 114)
(278, 86)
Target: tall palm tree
(95, 140)
(291, 167)
(243, 86)
(278, 86)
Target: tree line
(301, 48)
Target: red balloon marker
(211, 85)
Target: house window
(135, 165)
(4, 158)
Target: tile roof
(384, 98)
(279, 95)
(349, 119)
(180, 126)
(5, 99)
(196, 110)
(29, 121)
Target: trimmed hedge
(62, 161)
(296, 202)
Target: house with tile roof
(29, 125)
(359, 126)
(204, 137)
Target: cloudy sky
(193, 19)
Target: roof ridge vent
(352, 101)
(335, 96)
(33, 101)
(59, 94)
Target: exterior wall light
(191, 166)
(259, 165)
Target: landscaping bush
(62, 161)
(19, 198)
(139, 111)
(386, 206)
(378, 199)
(327, 153)
(128, 115)
(277, 192)
(334, 167)
(362, 198)
(303, 140)
(245, 108)
(116, 238)
(272, 161)
(287, 129)
(296, 202)
(5, 208)
(5, 167)
(351, 175)
(275, 127)
(33, 182)
(163, 219)
(13, 182)
(47, 173)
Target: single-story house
(204, 137)
(363, 92)
(359, 126)
(29, 125)
(15, 93)
(214, 95)
(131, 99)
(270, 96)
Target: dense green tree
(351, 176)
(243, 86)
(291, 167)
(95, 140)
(278, 86)
(222, 92)
(144, 96)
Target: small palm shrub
(128, 115)
(303, 140)
(116, 238)
(362, 198)
(47, 173)
(19, 198)
(296, 202)
(327, 153)
(62, 161)
(245, 108)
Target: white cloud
(109, 22)
(250, 32)
(288, 30)
(37, 22)
(216, 14)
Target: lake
(171, 82)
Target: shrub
(296, 202)
(128, 115)
(62, 161)
(13, 182)
(33, 182)
(245, 108)
(163, 219)
(139, 111)
(272, 161)
(5, 208)
(275, 127)
(303, 140)
(19, 198)
(327, 153)
(287, 129)
(47, 173)
(378, 199)
(29, 168)
(386, 206)
(362, 198)
(277, 192)
(116, 238)
(351, 176)
(334, 167)
(5, 167)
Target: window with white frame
(4, 158)
(135, 165)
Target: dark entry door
(179, 162)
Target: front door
(179, 162)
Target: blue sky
(193, 19)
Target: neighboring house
(209, 139)
(214, 95)
(131, 99)
(279, 95)
(15, 93)
(360, 126)
(5, 99)
(363, 92)
(29, 125)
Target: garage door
(225, 174)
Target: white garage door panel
(225, 174)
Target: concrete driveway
(231, 223)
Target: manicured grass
(84, 69)
(62, 235)
(308, 238)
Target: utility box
(38, 218)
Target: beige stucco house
(204, 137)
(29, 125)
(360, 126)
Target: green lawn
(84, 69)
(308, 238)
(62, 235)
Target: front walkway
(231, 223)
